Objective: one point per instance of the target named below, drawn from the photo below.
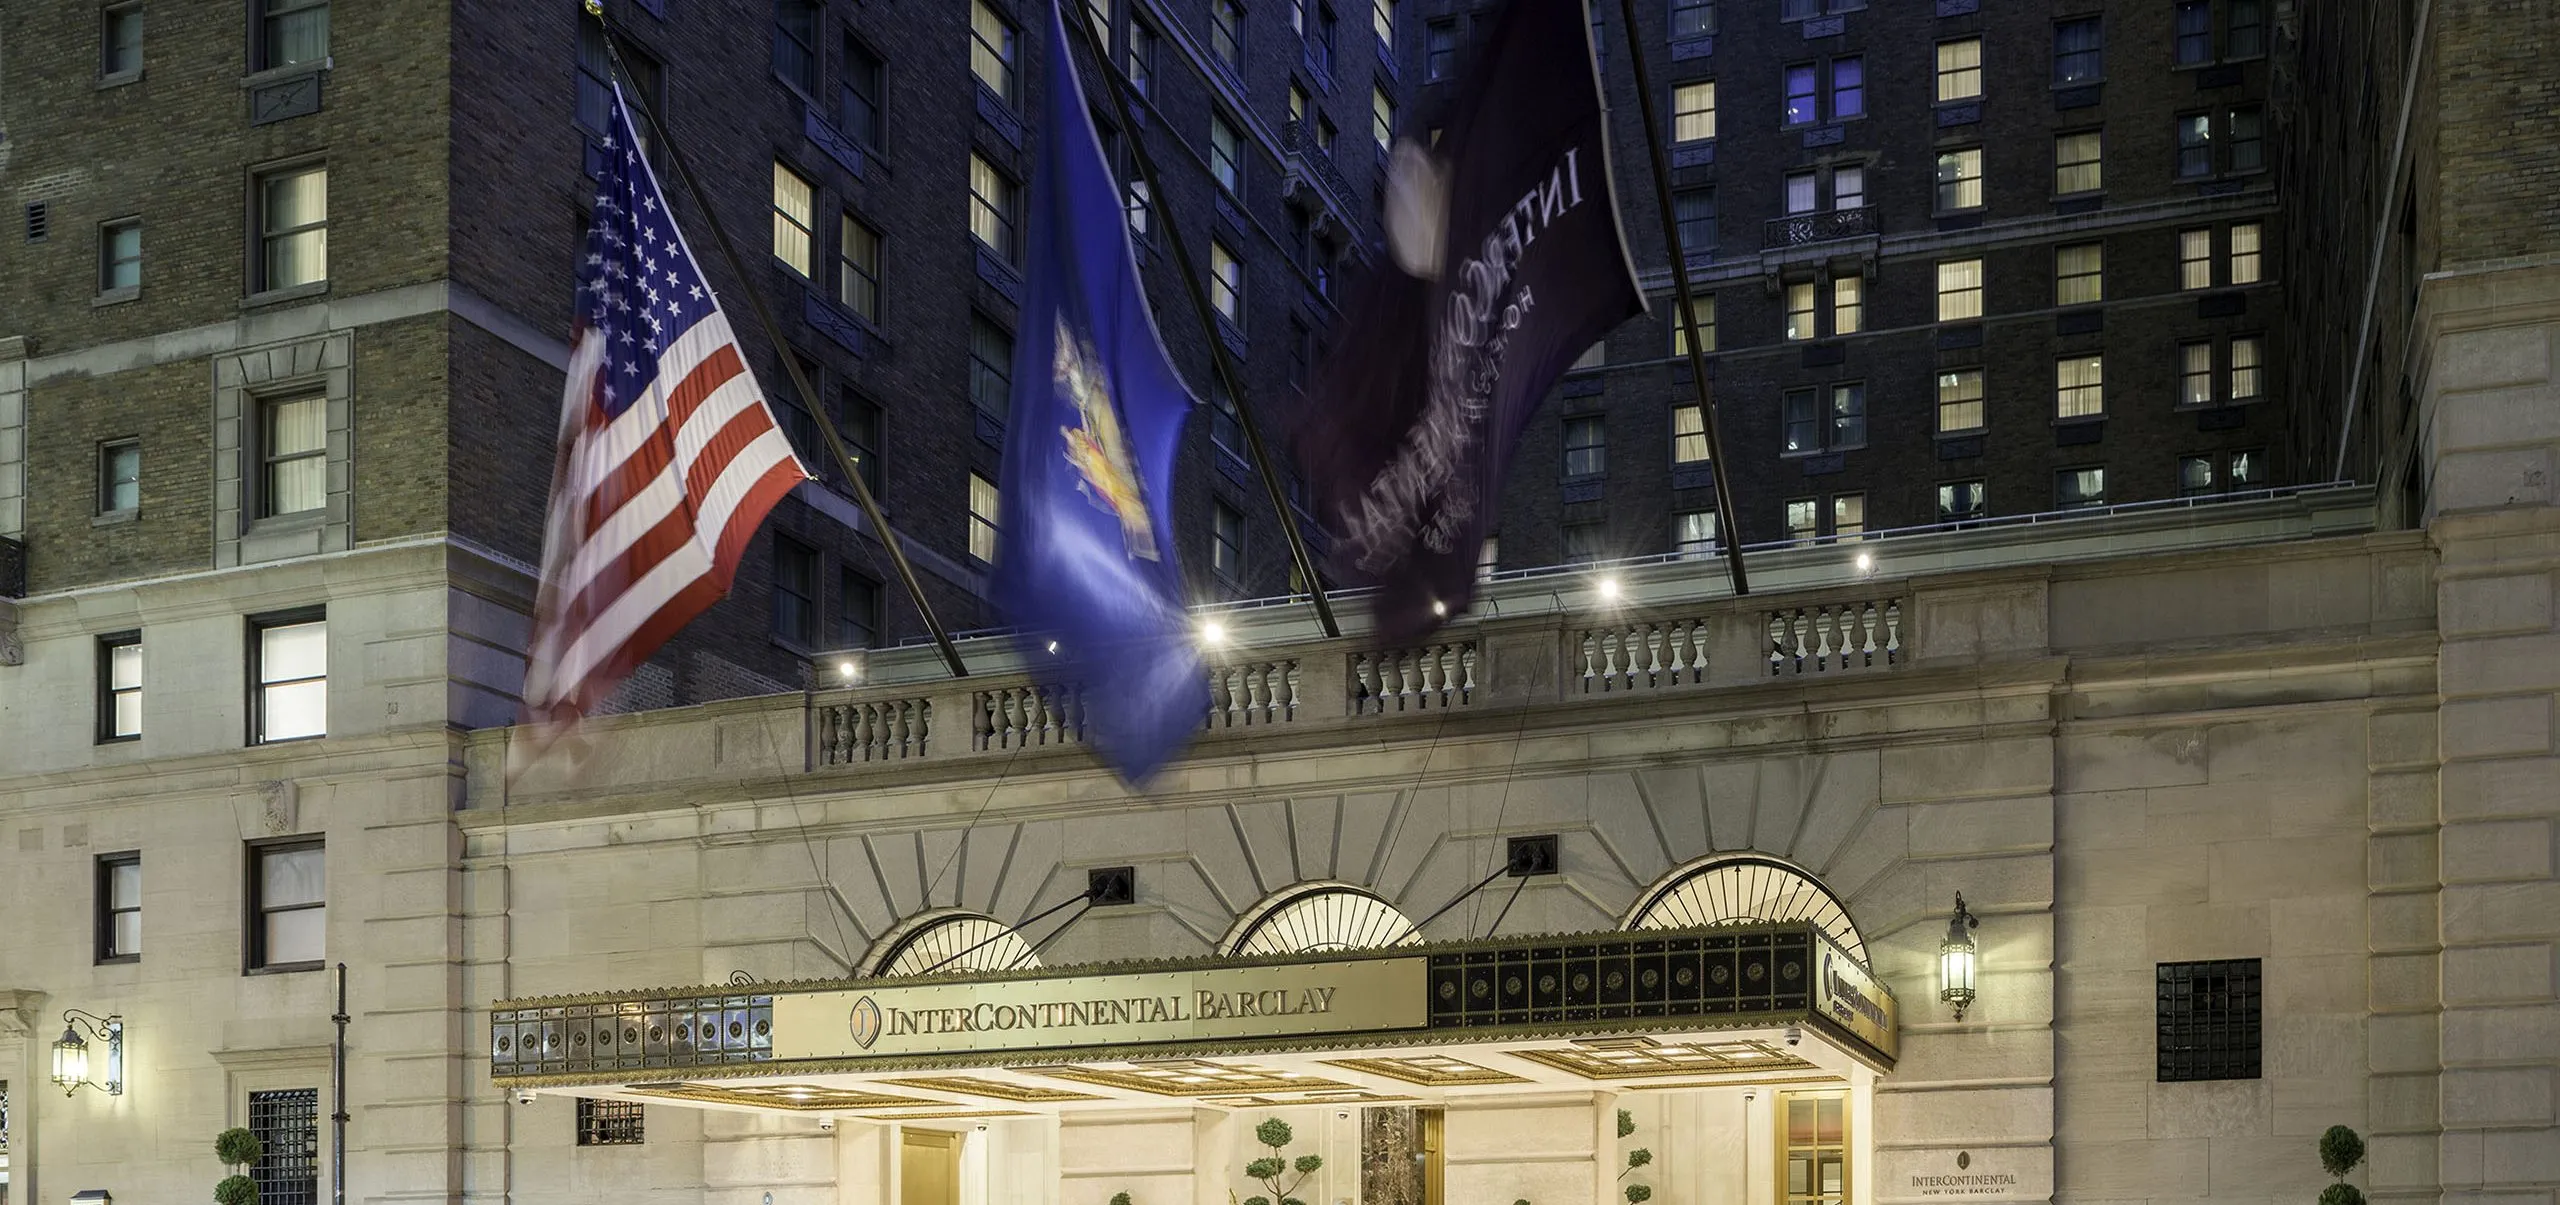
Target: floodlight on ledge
(1213, 633)
(1439, 608)
(1866, 562)
(1053, 646)
(1608, 588)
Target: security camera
(524, 1096)
(1794, 1035)
(827, 1125)
(982, 1127)
(1342, 1115)
(1748, 1097)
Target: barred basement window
(2208, 1020)
(287, 1124)
(609, 1123)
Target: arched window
(1744, 889)
(1314, 917)
(947, 942)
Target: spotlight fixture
(1866, 562)
(1213, 633)
(1439, 608)
(1608, 588)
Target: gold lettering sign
(1847, 996)
(1101, 1010)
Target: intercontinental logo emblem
(864, 1021)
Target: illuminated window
(2195, 259)
(2079, 387)
(2195, 374)
(1688, 435)
(2244, 252)
(2075, 162)
(1803, 515)
(289, 666)
(1693, 534)
(2195, 145)
(1959, 290)
(1960, 401)
(1226, 282)
(1693, 111)
(1382, 118)
(1226, 161)
(1961, 501)
(1960, 70)
(1702, 313)
(1848, 304)
(2244, 368)
(2080, 489)
(1800, 310)
(994, 200)
(1226, 33)
(1848, 515)
(982, 518)
(1960, 178)
(2078, 274)
(992, 50)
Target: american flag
(668, 456)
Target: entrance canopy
(1665, 1008)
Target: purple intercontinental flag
(1505, 264)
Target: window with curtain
(2079, 52)
(2244, 269)
(1693, 534)
(2245, 357)
(857, 619)
(862, 93)
(2195, 259)
(293, 454)
(119, 476)
(1226, 33)
(1439, 50)
(120, 687)
(1226, 157)
(120, 255)
(1692, 18)
(293, 227)
(2075, 162)
(1962, 500)
(858, 267)
(1802, 422)
(1960, 401)
(1702, 314)
(1226, 283)
(1226, 542)
(795, 44)
(2079, 387)
(1803, 518)
(119, 907)
(1848, 516)
(289, 905)
(990, 366)
(1800, 310)
(2080, 489)
(795, 591)
(1696, 210)
(982, 518)
(1959, 290)
(2195, 145)
(1693, 111)
(1382, 118)
(289, 662)
(292, 32)
(1960, 178)
(2195, 373)
(1848, 415)
(1586, 446)
(1688, 435)
(2195, 32)
(1848, 304)
(2079, 274)
(794, 220)
(1960, 70)
(992, 50)
(994, 202)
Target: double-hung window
(1800, 310)
(1142, 56)
(2195, 258)
(858, 268)
(2195, 32)
(290, 32)
(1693, 111)
(1696, 211)
(1848, 304)
(1382, 117)
(293, 454)
(1693, 534)
(1226, 542)
(120, 42)
(1439, 50)
(2243, 265)
(1960, 179)
(1962, 501)
(857, 623)
(120, 687)
(982, 518)
(2079, 52)
(1226, 283)
(993, 47)
(795, 44)
(1959, 400)
(2080, 489)
(2076, 163)
(1813, 424)
(289, 678)
(1226, 33)
(1959, 290)
(293, 227)
(990, 366)
(994, 202)
(1688, 435)
(288, 906)
(795, 220)
(1585, 543)
(1702, 314)
(2246, 127)
(1586, 446)
(2195, 373)
(1960, 70)
(119, 907)
(795, 592)
(2079, 387)
(2246, 356)
(119, 476)
(120, 255)
(1808, 99)
(2079, 276)
(2195, 145)
(862, 94)
(1226, 156)
(1382, 22)
(1692, 19)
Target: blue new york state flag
(1085, 564)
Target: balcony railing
(1312, 169)
(1797, 230)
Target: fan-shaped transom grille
(962, 941)
(1745, 891)
(1316, 918)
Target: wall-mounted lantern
(71, 1052)
(1956, 957)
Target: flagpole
(1727, 523)
(809, 399)
(1298, 554)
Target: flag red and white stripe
(668, 458)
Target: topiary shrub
(2340, 1151)
(1269, 1169)
(237, 1147)
(1637, 1194)
(1119, 1198)
(236, 1190)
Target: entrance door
(928, 1168)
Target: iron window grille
(610, 1122)
(2209, 1014)
(287, 1124)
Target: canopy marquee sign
(1576, 986)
